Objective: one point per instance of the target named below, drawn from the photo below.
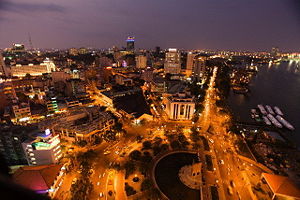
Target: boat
(267, 121)
(284, 122)
(270, 110)
(274, 121)
(278, 111)
(262, 109)
(254, 113)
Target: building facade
(190, 63)
(172, 63)
(141, 61)
(180, 107)
(130, 43)
(34, 70)
(43, 150)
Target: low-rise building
(45, 179)
(180, 107)
(21, 111)
(34, 70)
(80, 123)
(281, 187)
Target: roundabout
(167, 174)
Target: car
(106, 152)
(232, 183)
(74, 181)
(101, 194)
(98, 183)
(229, 190)
(221, 162)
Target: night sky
(189, 24)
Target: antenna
(30, 42)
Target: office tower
(83, 51)
(18, 48)
(11, 138)
(43, 149)
(141, 61)
(52, 105)
(172, 63)
(147, 75)
(275, 52)
(199, 66)
(180, 107)
(73, 51)
(4, 70)
(190, 63)
(130, 43)
(157, 50)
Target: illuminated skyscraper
(275, 52)
(130, 44)
(172, 62)
(199, 66)
(141, 61)
(190, 63)
(180, 107)
(18, 48)
(4, 70)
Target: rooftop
(37, 178)
(282, 186)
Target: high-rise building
(52, 105)
(11, 138)
(141, 61)
(18, 48)
(180, 107)
(44, 149)
(157, 50)
(172, 63)
(73, 51)
(4, 70)
(275, 52)
(190, 63)
(83, 50)
(130, 43)
(199, 66)
(147, 75)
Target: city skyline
(254, 26)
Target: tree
(28, 76)
(135, 155)
(129, 190)
(146, 158)
(164, 147)
(147, 145)
(156, 150)
(146, 184)
(97, 140)
(196, 146)
(118, 126)
(129, 168)
(175, 145)
(144, 168)
(82, 143)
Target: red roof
(37, 177)
(281, 185)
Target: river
(274, 85)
